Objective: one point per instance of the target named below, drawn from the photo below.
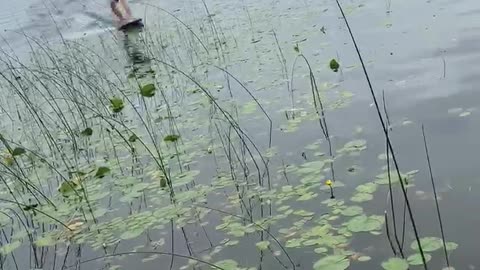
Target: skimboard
(132, 24)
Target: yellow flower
(329, 182)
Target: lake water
(420, 54)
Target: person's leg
(114, 5)
(126, 8)
(121, 9)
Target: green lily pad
(367, 188)
(364, 258)
(333, 262)
(416, 259)
(365, 223)
(116, 104)
(171, 138)
(87, 132)
(362, 197)
(102, 172)
(133, 138)
(130, 234)
(354, 147)
(45, 241)
(67, 187)
(18, 151)
(352, 211)
(227, 264)
(320, 250)
(334, 65)
(148, 90)
(9, 248)
(292, 243)
(451, 246)
(263, 245)
(395, 264)
(429, 244)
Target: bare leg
(126, 8)
(114, 6)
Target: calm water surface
(424, 55)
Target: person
(121, 11)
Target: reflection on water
(138, 62)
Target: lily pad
(227, 264)
(130, 234)
(429, 244)
(367, 188)
(333, 262)
(18, 151)
(116, 104)
(9, 248)
(148, 90)
(263, 245)
(451, 246)
(171, 138)
(395, 264)
(102, 172)
(416, 259)
(362, 197)
(364, 258)
(334, 65)
(365, 223)
(67, 187)
(352, 211)
(133, 138)
(87, 132)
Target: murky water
(422, 55)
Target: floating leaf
(361, 197)
(133, 138)
(395, 264)
(8, 159)
(303, 213)
(367, 188)
(45, 241)
(334, 65)
(67, 187)
(451, 246)
(227, 264)
(171, 138)
(148, 90)
(102, 172)
(262, 245)
(353, 147)
(116, 104)
(9, 248)
(18, 151)
(163, 181)
(296, 48)
(365, 223)
(87, 132)
(292, 243)
(320, 250)
(416, 259)
(352, 211)
(132, 233)
(364, 258)
(232, 243)
(333, 262)
(429, 244)
(463, 114)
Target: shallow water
(421, 54)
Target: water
(421, 54)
